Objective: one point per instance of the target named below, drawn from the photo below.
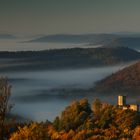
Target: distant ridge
(124, 81)
(111, 40)
(7, 36)
(95, 39)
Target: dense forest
(126, 81)
(66, 58)
(79, 121)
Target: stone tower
(121, 100)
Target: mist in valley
(41, 95)
(20, 44)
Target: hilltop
(124, 81)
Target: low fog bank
(41, 95)
(31, 83)
(18, 45)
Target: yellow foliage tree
(136, 135)
(35, 131)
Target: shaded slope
(125, 81)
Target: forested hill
(125, 81)
(67, 58)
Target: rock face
(124, 81)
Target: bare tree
(5, 92)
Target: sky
(69, 16)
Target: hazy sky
(69, 16)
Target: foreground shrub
(34, 131)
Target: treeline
(68, 58)
(96, 53)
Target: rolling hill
(126, 81)
(66, 58)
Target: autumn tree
(56, 123)
(126, 121)
(136, 135)
(107, 116)
(96, 108)
(34, 131)
(75, 115)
